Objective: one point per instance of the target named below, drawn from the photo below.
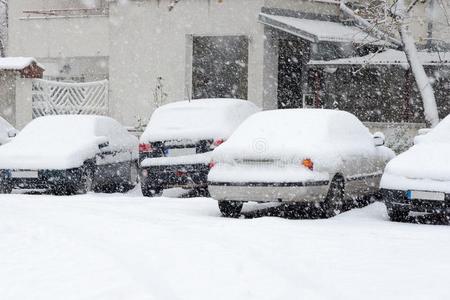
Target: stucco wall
(7, 96)
(150, 42)
(55, 36)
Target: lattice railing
(60, 98)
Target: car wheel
(133, 179)
(230, 209)
(335, 198)
(397, 214)
(148, 191)
(87, 180)
(201, 192)
(6, 188)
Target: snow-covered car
(418, 180)
(324, 157)
(176, 145)
(7, 131)
(70, 154)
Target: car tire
(87, 180)
(230, 209)
(148, 191)
(132, 180)
(397, 214)
(6, 188)
(334, 200)
(201, 192)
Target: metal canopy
(319, 31)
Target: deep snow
(130, 247)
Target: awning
(319, 31)
(389, 57)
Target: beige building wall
(151, 42)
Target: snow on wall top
(388, 57)
(317, 31)
(16, 63)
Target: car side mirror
(12, 133)
(379, 139)
(103, 145)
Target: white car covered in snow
(418, 180)
(7, 131)
(175, 148)
(70, 154)
(297, 155)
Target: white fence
(60, 98)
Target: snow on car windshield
(198, 119)
(58, 129)
(272, 133)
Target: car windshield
(57, 129)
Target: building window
(220, 67)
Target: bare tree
(401, 19)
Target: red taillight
(211, 164)
(308, 163)
(217, 143)
(145, 148)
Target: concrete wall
(150, 42)
(7, 96)
(54, 37)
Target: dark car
(176, 146)
(70, 154)
(418, 180)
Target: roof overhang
(27, 66)
(319, 31)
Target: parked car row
(230, 150)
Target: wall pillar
(270, 71)
(24, 111)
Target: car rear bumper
(397, 199)
(170, 176)
(311, 191)
(44, 179)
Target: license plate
(24, 174)
(181, 151)
(422, 195)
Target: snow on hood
(294, 134)
(54, 142)
(428, 159)
(423, 161)
(197, 119)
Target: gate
(62, 98)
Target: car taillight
(217, 143)
(211, 164)
(145, 148)
(308, 163)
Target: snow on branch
(422, 80)
(368, 26)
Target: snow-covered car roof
(283, 132)
(197, 119)
(61, 142)
(5, 128)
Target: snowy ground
(130, 247)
